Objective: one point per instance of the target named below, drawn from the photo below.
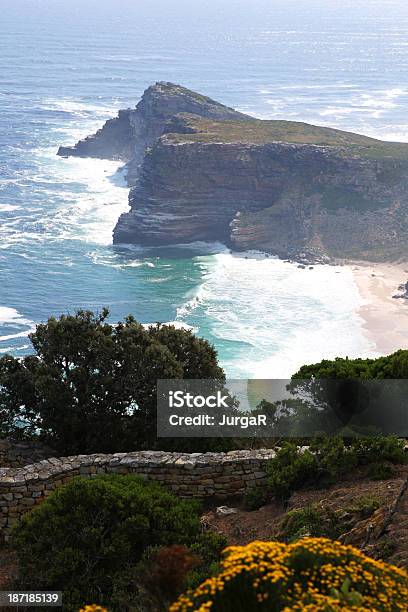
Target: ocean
(66, 67)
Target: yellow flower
(312, 575)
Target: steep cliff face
(202, 171)
(127, 136)
(283, 198)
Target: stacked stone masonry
(15, 453)
(199, 475)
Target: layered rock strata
(201, 171)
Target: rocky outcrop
(201, 171)
(114, 140)
(281, 198)
(402, 292)
(129, 135)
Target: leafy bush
(312, 575)
(208, 548)
(89, 536)
(255, 497)
(391, 366)
(379, 449)
(365, 506)
(91, 386)
(324, 521)
(302, 522)
(290, 469)
(333, 457)
(379, 471)
(328, 459)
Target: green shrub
(324, 521)
(255, 497)
(379, 471)
(302, 522)
(165, 572)
(290, 469)
(394, 366)
(333, 458)
(365, 506)
(328, 459)
(208, 548)
(379, 449)
(80, 389)
(88, 537)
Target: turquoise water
(68, 66)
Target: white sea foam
(284, 316)
(93, 196)
(176, 324)
(8, 207)
(195, 298)
(77, 107)
(13, 349)
(12, 318)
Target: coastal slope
(201, 171)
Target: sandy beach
(385, 318)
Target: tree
(91, 386)
(391, 366)
(371, 393)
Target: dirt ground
(383, 534)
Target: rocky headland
(199, 170)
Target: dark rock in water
(200, 170)
(403, 292)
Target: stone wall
(14, 453)
(199, 475)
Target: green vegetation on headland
(263, 131)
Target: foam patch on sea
(276, 315)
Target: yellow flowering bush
(312, 574)
(93, 608)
